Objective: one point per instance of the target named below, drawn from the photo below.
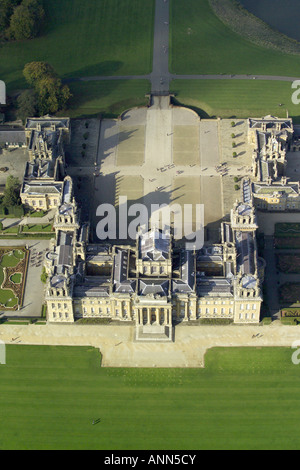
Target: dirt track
(119, 349)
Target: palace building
(156, 282)
(42, 184)
(271, 190)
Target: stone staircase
(154, 333)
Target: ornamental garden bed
(287, 236)
(288, 263)
(289, 293)
(13, 268)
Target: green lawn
(106, 37)
(37, 228)
(246, 398)
(16, 278)
(109, 98)
(10, 260)
(241, 98)
(202, 44)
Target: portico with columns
(154, 315)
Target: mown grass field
(202, 44)
(245, 398)
(107, 37)
(237, 98)
(109, 98)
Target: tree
(52, 96)
(11, 192)
(6, 11)
(26, 20)
(36, 71)
(27, 104)
(44, 276)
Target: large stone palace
(156, 282)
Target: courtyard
(158, 155)
(15, 161)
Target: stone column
(178, 309)
(186, 311)
(148, 316)
(113, 308)
(157, 314)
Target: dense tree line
(21, 19)
(47, 96)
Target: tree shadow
(199, 111)
(108, 67)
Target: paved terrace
(119, 349)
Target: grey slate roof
(12, 136)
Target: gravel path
(120, 350)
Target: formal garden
(288, 263)
(287, 236)
(13, 268)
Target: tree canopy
(52, 95)
(26, 20)
(21, 19)
(11, 192)
(6, 11)
(27, 104)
